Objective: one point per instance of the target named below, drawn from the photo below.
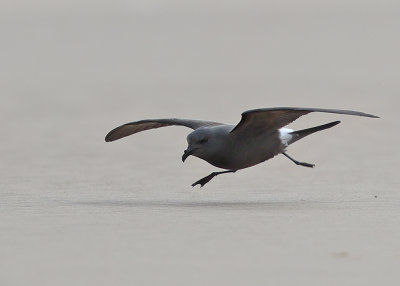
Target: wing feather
(142, 125)
(269, 119)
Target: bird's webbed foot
(204, 180)
(304, 164)
(208, 178)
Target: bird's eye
(204, 140)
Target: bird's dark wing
(137, 126)
(269, 119)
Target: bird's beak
(187, 153)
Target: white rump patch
(285, 136)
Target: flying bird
(260, 135)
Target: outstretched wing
(268, 119)
(137, 126)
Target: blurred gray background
(75, 210)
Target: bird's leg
(208, 178)
(299, 163)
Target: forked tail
(297, 135)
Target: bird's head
(200, 143)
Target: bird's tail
(297, 135)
